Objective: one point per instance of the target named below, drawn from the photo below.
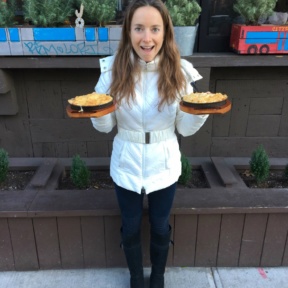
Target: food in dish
(204, 98)
(90, 100)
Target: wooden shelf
(227, 59)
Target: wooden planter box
(264, 39)
(59, 41)
(227, 224)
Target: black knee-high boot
(133, 253)
(159, 248)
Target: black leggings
(131, 206)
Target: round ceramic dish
(91, 108)
(212, 105)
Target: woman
(147, 79)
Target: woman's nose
(147, 36)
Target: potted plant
(7, 19)
(100, 13)
(51, 13)
(253, 37)
(184, 14)
(7, 13)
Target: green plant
(259, 164)
(183, 12)
(185, 170)
(7, 13)
(47, 13)
(4, 164)
(80, 174)
(252, 10)
(99, 11)
(286, 172)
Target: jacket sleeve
(107, 122)
(188, 124)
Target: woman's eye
(155, 30)
(138, 29)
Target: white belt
(146, 137)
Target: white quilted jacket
(135, 165)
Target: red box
(264, 39)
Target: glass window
(221, 17)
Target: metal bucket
(185, 39)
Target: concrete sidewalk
(174, 278)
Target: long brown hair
(171, 79)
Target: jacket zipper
(144, 124)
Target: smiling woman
(147, 79)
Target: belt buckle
(147, 137)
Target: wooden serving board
(219, 110)
(99, 113)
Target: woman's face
(147, 32)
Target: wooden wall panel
(185, 240)
(263, 126)
(239, 117)
(98, 149)
(6, 252)
(47, 242)
(230, 240)
(23, 243)
(70, 130)
(44, 99)
(70, 239)
(285, 255)
(21, 92)
(252, 240)
(93, 241)
(58, 149)
(199, 143)
(207, 240)
(48, 149)
(244, 146)
(275, 240)
(283, 131)
(203, 84)
(61, 149)
(14, 136)
(114, 253)
(221, 124)
(266, 106)
(77, 148)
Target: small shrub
(286, 172)
(99, 11)
(251, 11)
(4, 164)
(7, 13)
(259, 164)
(47, 13)
(186, 170)
(79, 174)
(183, 12)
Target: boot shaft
(159, 249)
(133, 253)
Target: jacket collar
(150, 66)
(107, 63)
